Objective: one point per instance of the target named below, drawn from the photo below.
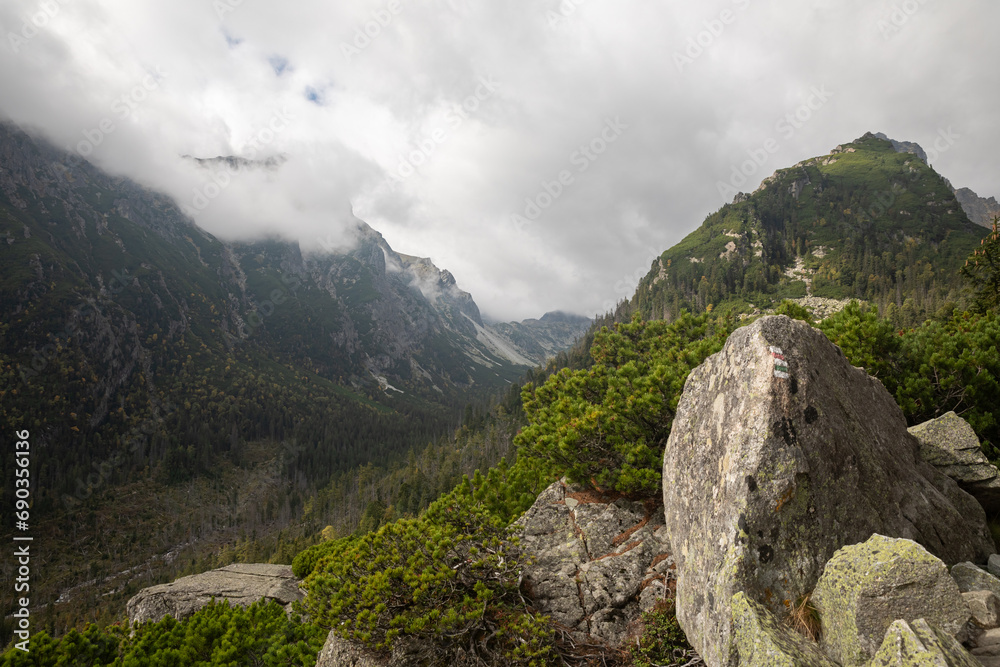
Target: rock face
(921, 643)
(240, 583)
(949, 444)
(597, 561)
(979, 209)
(764, 642)
(339, 653)
(866, 587)
(781, 453)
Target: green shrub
(607, 425)
(794, 311)
(446, 585)
(662, 641)
(217, 635)
(941, 365)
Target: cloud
(439, 122)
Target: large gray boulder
(866, 587)
(949, 444)
(781, 452)
(240, 583)
(595, 561)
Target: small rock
(993, 566)
(921, 643)
(865, 587)
(988, 644)
(985, 608)
(969, 577)
(762, 641)
(340, 653)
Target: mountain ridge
(146, 357)
(863, 221)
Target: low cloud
(437, 122)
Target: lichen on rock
(921, 644)
(762, 641)
(949, 444)
(866, 587)
(781, 453)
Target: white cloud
(909, 69)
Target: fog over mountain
(542, 152)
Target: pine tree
(982, 270)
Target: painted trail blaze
(780, 365)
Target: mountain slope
(182, 392)
(864, 221)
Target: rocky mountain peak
(902, 146)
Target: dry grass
(805, 618)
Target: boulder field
(802, 523)
(781, 455)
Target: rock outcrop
(240, 583)
(596, 561)
(762, 641)
(949, 444)
(921, 643)
(981, 210)
(866, 587)
(780, 454)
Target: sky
(543, 151)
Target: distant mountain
(539, 340)
(144, 354)
(980, 210)
(863, 221)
